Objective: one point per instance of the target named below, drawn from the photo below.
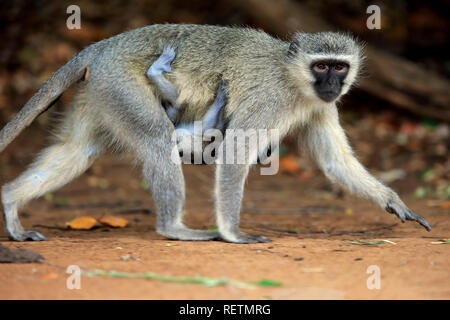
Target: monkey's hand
(397, 207)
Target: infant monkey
(190, 142)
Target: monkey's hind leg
(54, 167)
(145, 129)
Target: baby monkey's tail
(47, 95)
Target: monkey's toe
(29, 236)
(243, 237)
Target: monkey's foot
(403, 213)
(242, 237)
(184, 233)
(27, 236)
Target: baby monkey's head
(324, 64)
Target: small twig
(49, 227)
(278, 232)
(260, 222)
(300, 210)
(94, 205)
(369, 243)
(133, 210)
(358, 232)
(262, 249)
(443, 241)
(69, 229)
(210, 282)
(293, 232)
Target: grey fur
(324, 43)
(269, 87)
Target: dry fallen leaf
(82, 223)
(289, 164)
(48, 276)
(306, 175)
(115, 222)
(445, 205)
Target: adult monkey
(271, 84)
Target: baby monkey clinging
(190, 142)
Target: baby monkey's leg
(213, 119)
(155, 72)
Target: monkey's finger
(398, 211)
(410, 215)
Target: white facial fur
(301, 71)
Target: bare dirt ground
(308, 255)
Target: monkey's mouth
(328, 96)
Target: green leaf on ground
(268, 283)
(48, 196)
(427, 174)
(421, 193)
(144, 185)
(443, 241)
(209, 282)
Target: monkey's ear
(86, 74)
(293, 50)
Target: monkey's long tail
(60, 81)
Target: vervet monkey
(190, 141)
(272, 84)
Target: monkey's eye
(320, 67)
(340, 67)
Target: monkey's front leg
(327, 144)
(229, 189)
(230, 180)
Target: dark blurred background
(397, 119)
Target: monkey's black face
(330, 76)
